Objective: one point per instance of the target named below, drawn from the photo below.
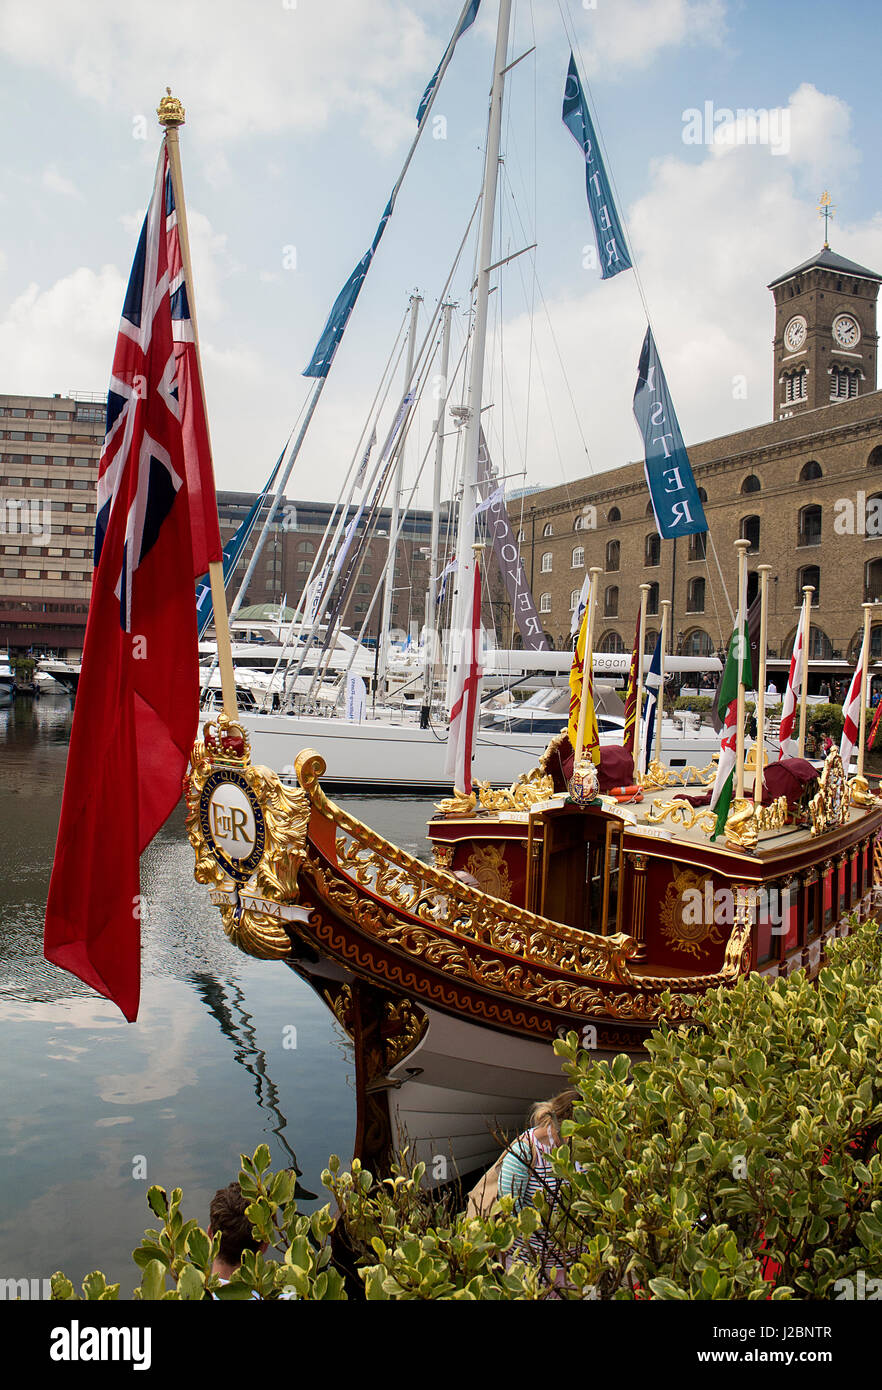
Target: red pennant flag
(137, 701)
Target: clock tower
(825, 333)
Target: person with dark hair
(227, 1217)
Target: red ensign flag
(137, 702)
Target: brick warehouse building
(803, 489)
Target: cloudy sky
(299, 113)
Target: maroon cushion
(788, 777)
(616, 767)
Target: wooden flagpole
(587, 666)
(171, 115)
(660, 707)
(760, 744)
(742, 546)
(808, 590)
(638, 709)
(862, 726)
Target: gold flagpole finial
(826, 209)
(170, 111)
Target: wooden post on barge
(660, 708)
(742, 546)
(171, 115)
(865, 654)
(759, 774)
(638, 709)
(587, 665)
(808, 590)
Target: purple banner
(505, 548)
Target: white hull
(398, 757)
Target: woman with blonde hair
(526, 1165)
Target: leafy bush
(698, 704)
(746, 1145)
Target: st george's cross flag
(138, 697)
(851, 714)
(464, 702)
(787, 745)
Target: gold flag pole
(638, 708)
(808, 590)
(587, 666)
(171, 115)
(742, 546)
(760, 745)
(862, 726)
(660, 707)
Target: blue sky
(298, 117)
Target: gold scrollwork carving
(459, 804)
(859, 793)
(488, 867)
(829, 806)
(682, 813)
(530, 788)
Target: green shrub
(748, 1134)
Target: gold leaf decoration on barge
(682, 813)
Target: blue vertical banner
(675, 499)
(612, 248)
(468, 20)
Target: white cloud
(630, 34)
(61, 338)
(55, 182)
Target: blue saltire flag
(468, 20)
(651, 684)
(232, 552)
(675, 499)
(612, 248)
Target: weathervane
(826, 209)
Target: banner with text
(505, 548)
(675, 499)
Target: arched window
(652, 600)
(752, 586)
(874, 459)
(809, 471)
(698, 546)
(611, 602)
(873, 581)
(546, 562)
(548, 529)
(751, 483)
(820, 646)
(652, 549)
(650, 637)
(649, 509)
(307, 546)
(522, 536)
(613, 515)
(697, 643)
(578, 522)
(545, 603)
(795, 385)
(873, 515)
(844, 383)
(612, 556)
(810, 525)
(695, 596)
(809, 574)
(750, 531)
(702, 494)
(574, 600)
(611, 642)
(875, 641)
(578, 558)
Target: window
(809, 574)
(873, 581)
(652, 549)
(809, 470)
(578, 558)
(306, 546)
(795, 385)
(611, 642)
(548, 529)
(652, 601)
(17, 434)
(53, 574)
(574, 600)
(39, 436)
(522, 536)
(750, 531)
(820, 646)
(612, 556)
(698, 546)
(751, 483)
(695, 596)
(611, 602)
(697, 643)
(843, 383)
(874, 459)
(14, 482)
(702, 494)
(614, 515)
(649, 509)
(809, 526)
(546, 562)
(303, 567)
(650, 637)
(545, 603)
(578, 522)
(80, 482)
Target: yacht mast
(465, 558)
(430, 633)
(389, 585)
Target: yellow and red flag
(631, 697)
(591, 743)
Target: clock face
(794, 333)
(846, 330)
